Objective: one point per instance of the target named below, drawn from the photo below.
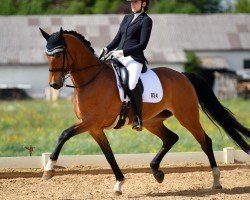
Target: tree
(205, 6)
(173, 6)
(30, 7)
(106, 6)
(27, 7)
(193, 63)
(243, 6)
(68, 7)
(7, 7)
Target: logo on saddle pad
(154, 95)
(153, 92)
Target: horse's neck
(85, 58)
(85, 62)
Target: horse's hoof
(48, 174)
(159, 176)
(117, 189)
(218, 187)
(118, 193)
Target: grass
(39, 123)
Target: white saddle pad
(153, 92)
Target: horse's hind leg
(188, 116)
(168, 138)
(208, 149)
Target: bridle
(65, 70)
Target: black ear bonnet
(55, 44)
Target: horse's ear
(61, 32)
(62, 38)
(59, 35)
(45, 35)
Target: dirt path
(189, 182)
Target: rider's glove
(103, 52)
(118, 53)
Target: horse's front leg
(103, 142)
(66, 135)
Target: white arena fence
(228, 156)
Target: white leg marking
(216, 175)
(50, 165)
(117, 188)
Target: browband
(55, 50)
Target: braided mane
(82, 38)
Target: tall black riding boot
(136, 100)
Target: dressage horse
(68, 52)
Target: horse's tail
(218, 113)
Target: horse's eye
(57, 55)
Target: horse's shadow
(201, 192)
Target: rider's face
(136, 5)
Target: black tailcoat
(133, 37)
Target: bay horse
(97, 104)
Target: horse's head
(57, 55)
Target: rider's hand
(118, 53)
(103, 52)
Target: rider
(130, 41)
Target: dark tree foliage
(205, 6)
(43, 7)
(173, 6)
(27, 7)
(193, 63)
(243, 6)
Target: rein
(88, 82)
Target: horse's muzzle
(55, 86)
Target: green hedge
(39, 123)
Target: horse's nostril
(54, 85)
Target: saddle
(123, 76)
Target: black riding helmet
(147, 2)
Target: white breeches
(134, 69)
